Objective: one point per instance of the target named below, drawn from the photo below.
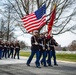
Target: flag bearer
(48, 51)
(34, 49)
(42, 48)
(46, 48)
(52, 44)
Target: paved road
(18, 67)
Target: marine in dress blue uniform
(1, 48)
(47, 50)
(11, 50)
(52, 44)
(42, 42)
(5, 49)
(34, 49)
(17, 50)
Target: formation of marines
(41, 45)
(9, 50)
(44, 48)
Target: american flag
(36, 20)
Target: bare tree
(64, 17)
(22, 44)
(7, 26)
(2, 28)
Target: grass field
(63, 57)
(66, 57)
(23, 53)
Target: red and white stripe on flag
(31, 22)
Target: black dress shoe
(56, 64)
(45, 66)
(27, 64)
(38, 66)
(50, 65)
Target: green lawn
(66, 57)
(23, 53)
(63, 57)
